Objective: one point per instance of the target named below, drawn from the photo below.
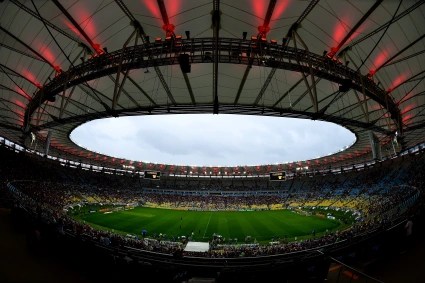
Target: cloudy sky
(220, 140)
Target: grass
(264, 226)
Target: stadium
(71, 213)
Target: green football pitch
(263, 226)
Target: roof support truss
(323, 68)
(119, 85)
(254, 52)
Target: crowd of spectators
(45, 189)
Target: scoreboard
(278, 176)
(152, 175)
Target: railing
(340, 272)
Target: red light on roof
(30, 76)
(19, 103)
(47, 53)
(20, 113)
(407, 109)
(259, 8)
(98, 48)
(263, 29)
(407, 96)
(332, 53)
(22, 93)
(380, 58)
(85, 19)
(407, 118)
(339, 31)
(396, 82)
(72, 28)
(168, 28)
(279, 9)
(58, 69)
(152, 7)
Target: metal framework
(166, 53)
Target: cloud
(223, 140)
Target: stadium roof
(360, 64)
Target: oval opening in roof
(212, 140)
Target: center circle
(212, 140)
